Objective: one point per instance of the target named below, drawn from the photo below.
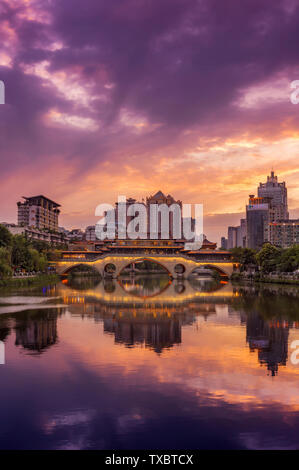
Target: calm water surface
(149, 363)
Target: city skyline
(233, 232)
(135, 110)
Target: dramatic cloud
(131, 96)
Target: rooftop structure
(279, 195)
(39, 212)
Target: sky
(128, 97)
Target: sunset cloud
(190, 97)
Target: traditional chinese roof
(159, 194)
(206, 242)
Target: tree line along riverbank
(273, 279)
(28, 281)
(23, 260)
(270, 264)
(19, 255)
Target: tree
(38, 262)
(5, 255)
(268, 258)
(244, 256)
(5, 270)
(41, 246)
(289, 260)
(5, 237)
(43, 263)
(20, 256)
(19, 252)
(5, 258)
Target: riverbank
(41, 279)
(264, 279)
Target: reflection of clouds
(213, 361)
(68, 419)
(69, 423)
(257, 441)
(129, 420)
(117, 395)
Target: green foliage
(244, 256)
(236, 277)
(41, 246)
(41, 279)
(36, 261)
(5, 257)
(268, 258)
(19, 251)
(5, 237)
(5, 269)
(289, 259)
(16, 252)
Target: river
(144, 362)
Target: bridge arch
(72, 267)
(216, 268)
(153, 261)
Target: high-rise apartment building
(224, 243)
(236, 236)
(284, 233)
(232, 237)
(157, 199)
(258, 216)
(242, 233)
(279, 195)
(39, 212)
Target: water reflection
(151, 321)
(141, 313)
(153, 360)
(145, 286)
(36, 331)
(269, 339)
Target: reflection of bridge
(175, 264)
(113, 294)
(156, 321)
